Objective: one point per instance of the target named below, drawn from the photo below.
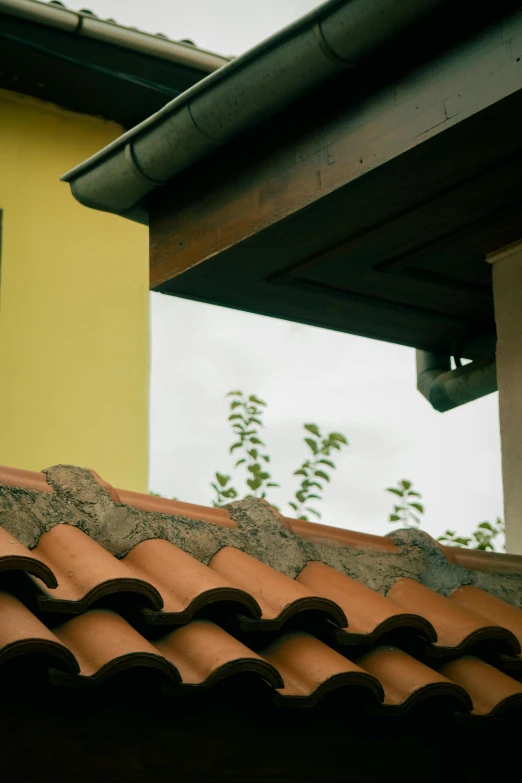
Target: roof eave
(248, 90)
(90, 26)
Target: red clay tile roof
(98, 580)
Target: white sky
(362, 388)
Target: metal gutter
(90, 26)
(251, 88)
(445, 388)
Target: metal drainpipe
(445, 388)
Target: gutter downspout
(445, 388)
(255, 86)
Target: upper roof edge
(87, 24)
(472, 559)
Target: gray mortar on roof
(79, 500)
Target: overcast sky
(363, 388)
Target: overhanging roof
(92, 65)
(253, 87)
(352, 172)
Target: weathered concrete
(507, 291)
(81, 501)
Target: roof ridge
(472, 559)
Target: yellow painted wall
(74, 322)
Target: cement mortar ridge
(80, 500)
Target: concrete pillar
(507, 291)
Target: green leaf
(272, 484)
(315, 484)
(240, 462)
(293, 505)
(418, 506)
(266, 457)
(326, 462)
(255, 468)
(256, 400)
(222, 479)
(406, 484)
(300, 472)
(264, 476)
(313, 511)
(235, 446)
(412, 494)
(237, 393)
(314, 497)
(235, 404)
(338, 436)
(257, 441)
(395, 491)
(254, 483)
(230, 493)
(394, 518)
(253, 453)
(253, 420)
(314, 429)
(321, 474)
(236, 416)
(486, 526)
(312, 444)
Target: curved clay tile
(310, 669)
(24, 479)
(278, 596)
(457, 628)
(185, 584)
(151, 503)
(21, 632)
(325, 534)
(104, 644)
(407, 681)
(85, 572)
(491, 691)
(486, 605)
(14, 556)
(369, 613)
(204, 653)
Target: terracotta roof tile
(490, 690)
(457, 628)
(14, 556)
(204, 654)
(370, 614)
(492, 608)
(310, 669)
(184, 584)
(289, 575)
(85, 572)
(22, 633)
(103, 644)
(407, 681)
(278, 596)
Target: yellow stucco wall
(74, 322)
